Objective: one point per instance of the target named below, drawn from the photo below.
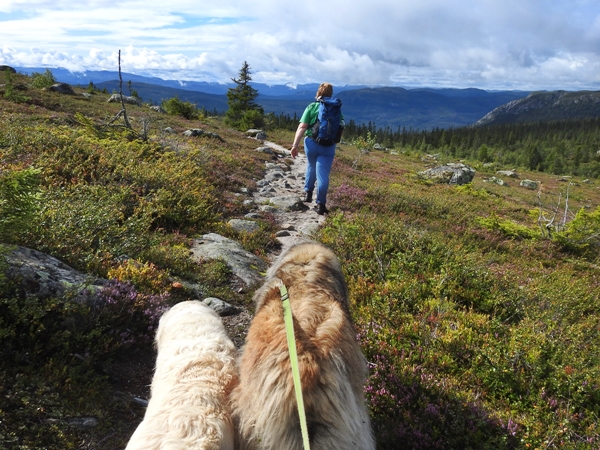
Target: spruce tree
(243, 112)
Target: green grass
(479, 324)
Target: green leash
(289, 331)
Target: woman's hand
(302, 127)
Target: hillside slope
(546, 106)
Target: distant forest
(570, 147)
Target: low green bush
(43, 80)
(19, 201)
(177, 107)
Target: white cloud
(517, 44)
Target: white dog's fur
(332, 367)
(195, 372)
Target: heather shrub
(461, 356)
(19, 201)
(146, 277)
(81, 222)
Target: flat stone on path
(287, 203)
(245, 265)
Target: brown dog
(332, 367)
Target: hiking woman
(319, 155)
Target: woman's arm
(302, 127)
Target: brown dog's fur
(332, 367)
(195, 372)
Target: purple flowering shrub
(347, 197)
(125, 316)
(412, 409)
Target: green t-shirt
(310, 115)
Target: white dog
(195, 373)
(332, 366)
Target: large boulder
(451, 173)
(4, 68)
(62, 88)
(40, 275)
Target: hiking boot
(321, 209)
(307, 197)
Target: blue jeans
(318, 167)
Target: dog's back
(195, 373)
(332, 367)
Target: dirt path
(300, 221)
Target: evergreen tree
(243, 111)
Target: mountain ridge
(546, 106)
(383, 106)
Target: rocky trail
(280, 193)
(285, 191)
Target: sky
(486, 44)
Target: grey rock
(508, 173)
(43, 276)
(287, 203)
(83, 422)
(221, 307)
(274, 175)
(266, 150)
(309, 229)
(246, 226)
(194, 132)
(496, 181)
(257, 134)
(262, 182)
(158, 109)
(529, 184)
(62, 88)
(267, 208)
(116, 98)
(243, 264)
(452, 173)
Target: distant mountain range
(419, 109)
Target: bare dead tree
(548, 225)
(127, 124)
(123, 111)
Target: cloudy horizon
(517, 45)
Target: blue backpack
(328, 128)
